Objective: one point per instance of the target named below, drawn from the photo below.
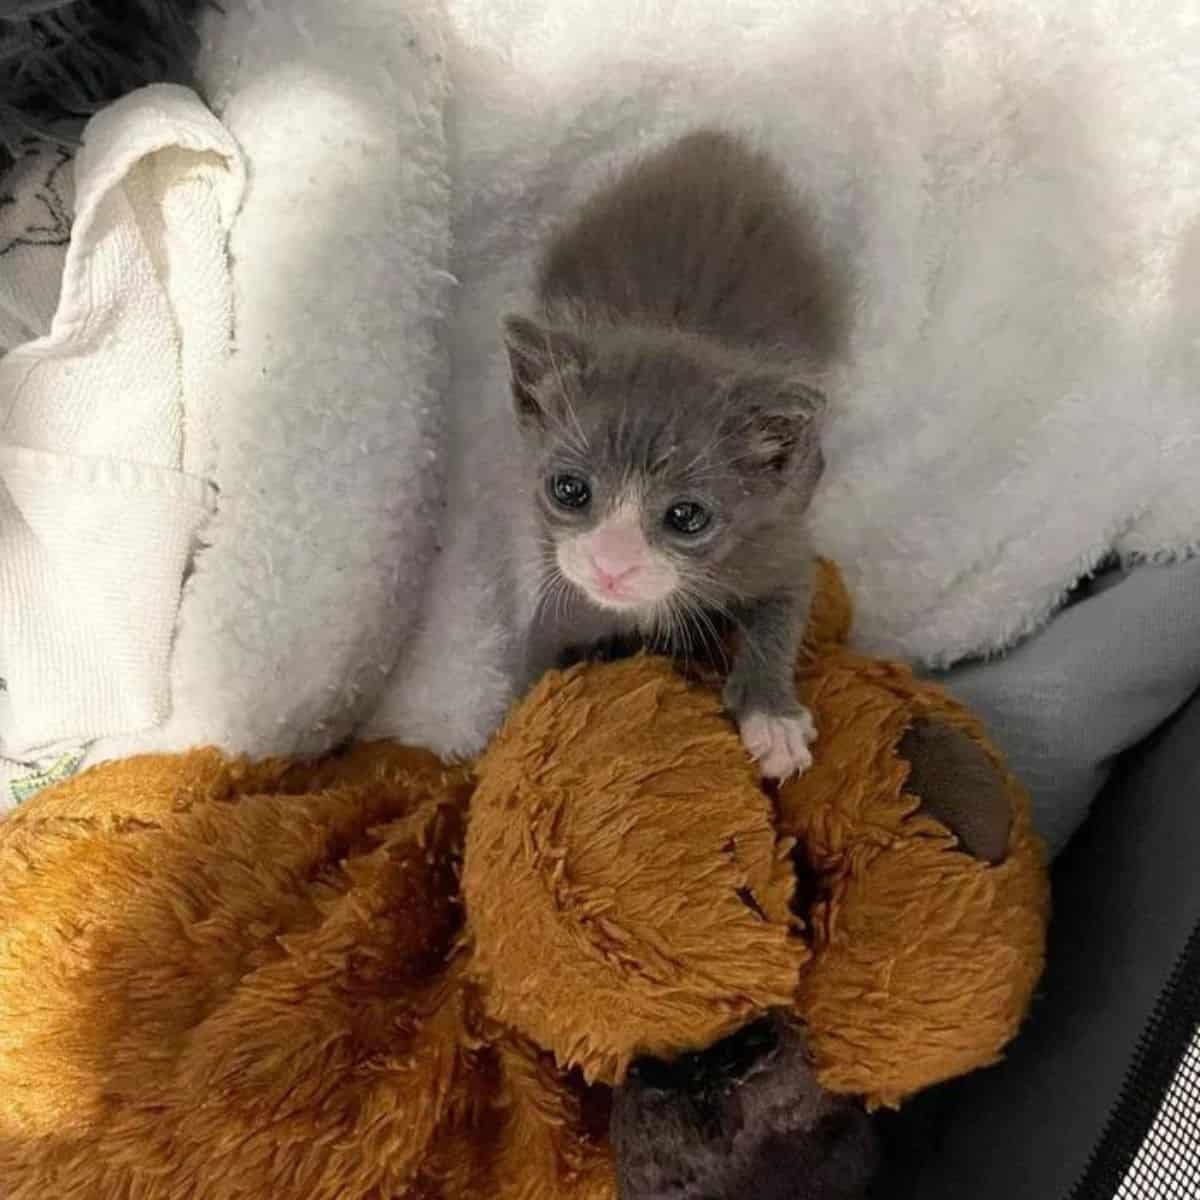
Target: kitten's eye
(570, 491)
(688, 517)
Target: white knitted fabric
(99, 419)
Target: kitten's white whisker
(712, 592)
(561, 599)
(713, 642)
(546, 587)
(681, 627)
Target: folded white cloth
(105, 426)
(331, 436)
(37, 203)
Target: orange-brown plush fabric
(627, 889)
(214, 975)
(223, 980)
(355, 980)
(924, 958)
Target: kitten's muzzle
(616, 568)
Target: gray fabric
(1127, 896)
(1109, 669)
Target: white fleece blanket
(1011, 191)
(331, 434)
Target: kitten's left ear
(780, 418)
(537, 355)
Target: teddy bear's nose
(723, 1063)
(734, 1056)
(653, 1073)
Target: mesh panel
(1150, 1149)
(1167, 1164)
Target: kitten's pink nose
(616, 554)
(611, 576)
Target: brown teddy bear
(382, 976)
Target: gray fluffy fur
(681, 315)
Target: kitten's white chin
(632, 601)
(627, 605)
(655, 582)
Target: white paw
(780, 744)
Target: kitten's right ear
(537, 357)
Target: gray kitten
(664, 392)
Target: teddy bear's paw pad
(780, 742)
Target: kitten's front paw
(779, 741)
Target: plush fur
(1011, 192)
(61, 60)
(334, 444)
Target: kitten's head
(658, 456)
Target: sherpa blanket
(1008, 195)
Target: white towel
(105, 426)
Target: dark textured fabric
(1150, 1149)
(66, 58)
(743, 1120)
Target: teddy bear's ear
(959, 786)
(831, 615)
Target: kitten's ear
(780, 418)
(536, 357)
